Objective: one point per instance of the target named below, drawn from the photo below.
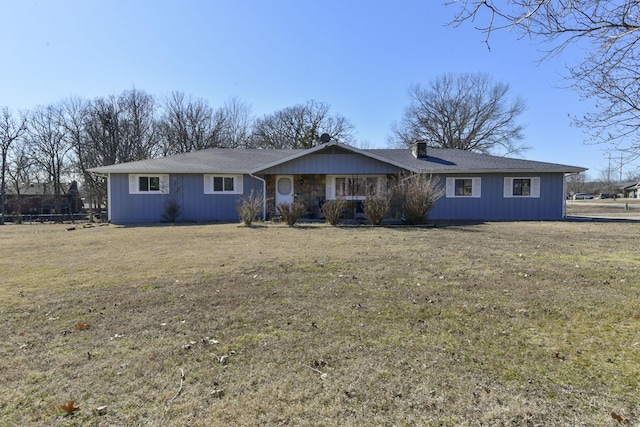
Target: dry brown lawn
(514, 324)
(607, 208)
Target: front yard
(479, 324)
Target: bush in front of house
(250, 208)
(291, 212)
(418, 193)
(333, 210)
(376, 206)
(171, 210)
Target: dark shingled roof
(438, 160)
(451, 160)
(220, 160)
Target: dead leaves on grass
(619, 418)
(70, 407)
(81, 326)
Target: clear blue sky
(358, 56)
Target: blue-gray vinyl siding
(493, 206)
(338, 163)
(195, 205)
(188, 190)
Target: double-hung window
(463, 187)
(353, 187)
(522, 187)
(223, 184)
(149, 184)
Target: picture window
(353, 187)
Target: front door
(284, 189)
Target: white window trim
(535, 187)
(237, 184)
(134, 181)
(330, 188)
(476, 187)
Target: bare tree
(632, 176)
(77, 119)
(576, 183)
(121, 128)
(138, 124)
(608, 32)
(190, 125)
(608, 182)
(300, 126)
(238, 122)
(48, 141)
(11, 129)
(21, 173)
(103, 145)
(467, 111)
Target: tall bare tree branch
(468, 112)
(301, 126)
(608, 74)
(11, 130)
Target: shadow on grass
(585, 218)
(465, 225)
(310, 224)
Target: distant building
(630, 189)
(39, 199)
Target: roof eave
(106, 170)
(568, 169)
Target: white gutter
(264, 196)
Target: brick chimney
(419, 150)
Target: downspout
(264, 195)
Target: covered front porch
(313, 190)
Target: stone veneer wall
(309, 190)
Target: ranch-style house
(208, 184)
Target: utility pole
(620, 167)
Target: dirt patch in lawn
(485, 324)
